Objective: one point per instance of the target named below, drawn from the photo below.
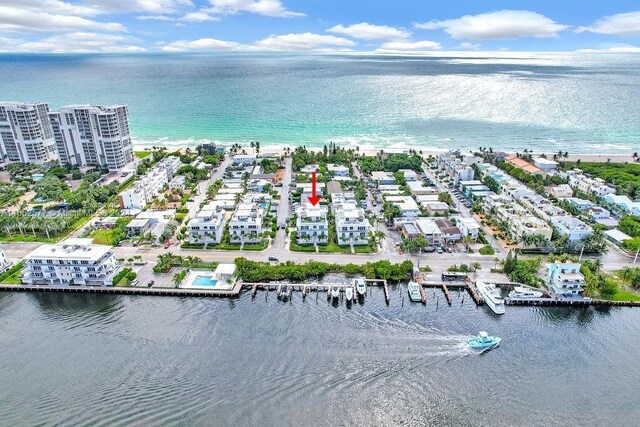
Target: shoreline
(427, 151)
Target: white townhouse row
(571, 227)
(73, 262)
(150, 185)
(77, 135)
(519, 219)
(595, 186)
(352, 225)
(312, 223)
(457, 165)
(624, 203)
(246, 223)
(207, 226)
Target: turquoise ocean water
(578, 103)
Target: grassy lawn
(103, 237)
(331, 248)
(624, 295)
(12, 275)
(28, 238)
(141, 154)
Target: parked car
(439, 250)
(150, 283)
(134, 282)
(273, 259)
(166, 245)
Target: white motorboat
(492, 296)
(361, 287)
(523, 292)
(348, 293)
(335, 292)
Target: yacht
(523, 292)
(414, 292)
(361, 287)
(483, 341)
(492, 296)
(348, 293)
(335, 292)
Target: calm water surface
(117, 360)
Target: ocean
(578, 103)
(102, 360)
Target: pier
(115, 290)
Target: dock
(115, 290)
(417, 276)
(445, 289)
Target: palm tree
(476, 266)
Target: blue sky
(412, 26)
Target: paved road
(283, 209)
(201, 195)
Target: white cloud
(261, 7)
(409, 46)
(201, 44)
(469, 46)
(367, 31)
(149, 6)
(284, 42)
(154, 18)
(620, 24)
(303, 41)
(52, 6)
(199, 17)
(613, 49)
(18, 19)
(502, 24)
(77, 42)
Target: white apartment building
(342, 198)
(407, 205)
(352, 226)
(457, 165)
(521, 226)
(596, 186)
(572, 227)
(409, 175)
(338, 170)
(150, 185)
(246, 223)
(312, 224)
(89, 135)
(207, 226)
(564, 278)
(26, 134)
(468, 227)
(72, 262)
(515, 189)
(244, 159)
(624, 202)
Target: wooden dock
(447, 295)
(475, 294)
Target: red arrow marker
(313, 199)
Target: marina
(286, 291)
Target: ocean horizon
(580, 103)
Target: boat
(361, 287)
(284, 293)
(348, 293)
(492, 296)
(483, 341)
(414, 292)
(523, 292)
(335, 292)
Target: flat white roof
(225, 269)
(74, 248)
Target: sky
(380, 26)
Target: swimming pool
(204, 281)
